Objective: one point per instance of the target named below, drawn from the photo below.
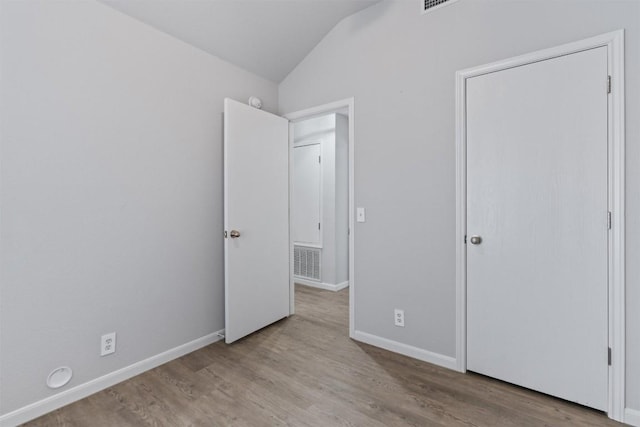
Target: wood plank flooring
(305, 371)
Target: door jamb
(307, 114)
(614, 41)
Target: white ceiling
(266, 37)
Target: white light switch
(360, 214)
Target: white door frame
(614, 42)
(307, 114)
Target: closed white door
(306, 195)
(256, 219)
(537, 199)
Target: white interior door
(306, 194)
(537, 197)
(256, 219)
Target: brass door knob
(234, 234)
(475, 240)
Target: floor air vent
(306, 262)
(429, 5)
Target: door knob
(475, 240)
(234, 234)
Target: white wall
(111, 196)
(399, 65)
(342, 198)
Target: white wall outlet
(108, 344)
(360, 215)
(399, 317)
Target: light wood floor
(305, 371)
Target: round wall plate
(255, 102)
(59, 377)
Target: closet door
(537, 227)
(306, 195)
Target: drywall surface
(329, 204)
(342, 198)
(400, 65)
(111, 197)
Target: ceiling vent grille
(430, 5)
(306, 262)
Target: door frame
(308, 113)
(614, 41)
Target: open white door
(256, 219)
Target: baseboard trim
(341, 286)
(632, 417)
(407, 350)
(81, 391)
(320, 285)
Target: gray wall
(111, 197)
(342, 198)
(399, 65)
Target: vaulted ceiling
(266, 37)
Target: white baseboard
(407, 350)
(320, 285)
(632, 417)
(341, 286)
(81, 391)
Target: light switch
(360, 214)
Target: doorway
(258, 229)
(540, 221)
(321, 194)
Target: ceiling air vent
(431, 5)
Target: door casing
(614, 42)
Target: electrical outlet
(399, 317)
(108, 344)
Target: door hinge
(608, 84)
(465, 239)
(319, 159)
(318, 226)
(609, 220)
(609, 356)
(225, 234)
